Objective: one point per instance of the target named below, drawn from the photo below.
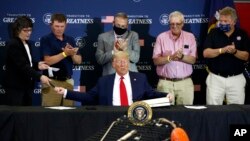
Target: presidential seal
(139, 113)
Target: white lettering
(144, 67)
(2, 91)
(196, 20)
(8, 20)
(2, 43)
(240, 132)
(85, 67)
(37, 44)
(37, 91)
(80, 21)
(95, 44)
(11, 20)
(140, 21)
(199, 66)
(153, 44)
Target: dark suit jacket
(19, 74)
(102, 93)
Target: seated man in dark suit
(119, 89)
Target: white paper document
(196, 107)
(61, 108)
(50, 71)
(158, 102)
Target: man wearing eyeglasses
(174, 53)
(118, 39)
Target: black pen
(52, 85)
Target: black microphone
(128, 135)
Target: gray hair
(229, 11)
(177, 14)
(121, 15)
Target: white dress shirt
(116, 90)
(28, 53)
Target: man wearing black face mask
(118, 39)
(226, 49)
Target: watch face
(139, 113)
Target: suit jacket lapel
(112, 38)
(110, 85)
(133, 81)
(23, 49)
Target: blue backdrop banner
(88, 18)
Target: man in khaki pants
(58, 52)
(174, 53)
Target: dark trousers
(19, 97)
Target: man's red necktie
(123, 93)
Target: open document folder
(158, 102)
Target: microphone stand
(110, 127)
(128, 135)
